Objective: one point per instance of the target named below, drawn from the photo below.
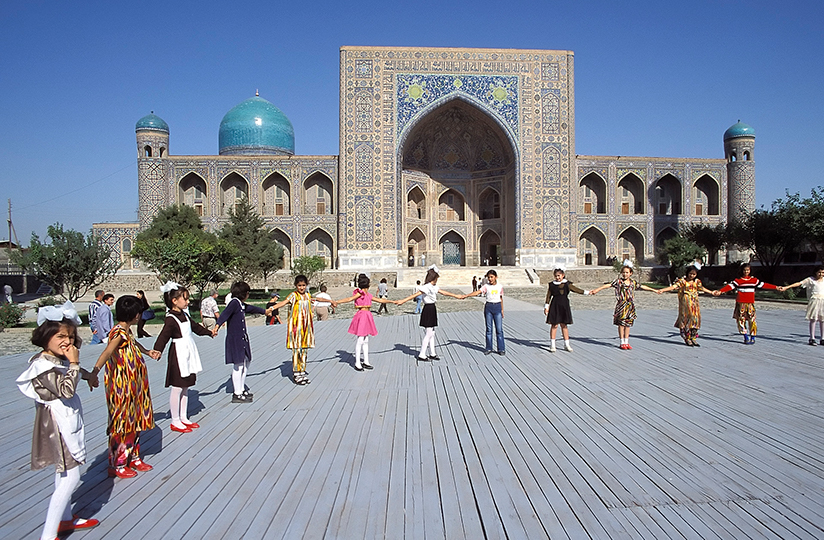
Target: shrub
(48, 301)
(10, 315)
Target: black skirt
(429, 316)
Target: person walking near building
(209, 310)
(93, 305)
(383, 292)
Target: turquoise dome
(152, 122)
(255, 127)
(739, 130)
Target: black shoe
(695, 343)
(486, 353)
(248, 394)
(423, 358)
(812, 341)
(241, 398)
(501, 353)
(358, 368)
(433, 357)
(368, 366)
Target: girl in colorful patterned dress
(363, 324)
(745, 310)
(127, 390)
(300, 334)
(237, 347)
(557, 307)
(689, 319)
(184, 361)
(625, 312)
(815, 288)
(58, 438)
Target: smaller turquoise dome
(739, 130)
(256, 127)
(152, 122)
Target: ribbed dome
(739, 130)
(152, 122)
(256, 127)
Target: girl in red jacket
(745, 311)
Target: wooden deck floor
(664, 441)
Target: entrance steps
(462, 276)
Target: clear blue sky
(653, 78)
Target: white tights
(812, 329)
(239, 377)
(362, 344)
(429, 339)
(179, 405)
(60, 505)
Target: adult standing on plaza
(103, 319)
(209, 310)
(383, 292)
(93, 305)
(323, 303)
(7, 291)
(145, 315)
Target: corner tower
(152, 135)
(739, 153)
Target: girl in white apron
(184, 360)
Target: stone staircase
(462, 276)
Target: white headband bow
(697, 265)
(559, 267)
(57, 313)
(434, 268)
(169, 286)
(628, 263)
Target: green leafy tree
(70, 262)
(257, 253)
(309, 265)
(679, 252)
(710, 237)
(176, 247)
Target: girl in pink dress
(362, 325)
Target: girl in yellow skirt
(625, 312)
(689, 319)
(300, 334)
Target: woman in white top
(493, 311)
(815, 288)
(429, 315)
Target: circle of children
(53, 374)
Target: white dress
(816, 299)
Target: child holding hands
(363, 324)
(815, 288)
(58, 437)
(557, 307)
(690, 319)
(625, 313)
(300, 334)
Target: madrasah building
(454, 157)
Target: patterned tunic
(127, 387)
(300, 333)
(625, 312)
(689, 316)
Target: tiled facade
(454, 157)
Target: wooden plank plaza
(664, 441)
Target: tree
(178, 249)
(679, 252)
(257, 252)
(310, 266)
(70, 262)
(710, 237)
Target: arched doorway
(319, 243)
(234, 188)
(415, 246)
(489, 249)
(452, 249)
(458, 164)
(631, 245)
(593, 247)
(286, 244)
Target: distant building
(464, 156)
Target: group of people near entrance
(53, 374)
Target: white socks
(362, 344)
(60, 505)
(179, 405)
(239, 377)
(429, 339)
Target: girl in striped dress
(625, 313)
(300, 334)
(689, 319)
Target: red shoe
(624, 347)
(140, 465)
(75, 524)
(122, 472)
(186, 429)
(191, 425)
(628, 347)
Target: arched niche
(664, 235)
(593, 194)
(318, 194)
(319, 243)
(667, 196)
(192, 192)
(416, 204)
(451, 206)
(233, 189)
(631, 245)
(452, 249)
(275, 196)
(593, 247)
(489, 247)
(285, 242)
(416, 245)
(489, 204)
(706, 195)
(631, 195)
